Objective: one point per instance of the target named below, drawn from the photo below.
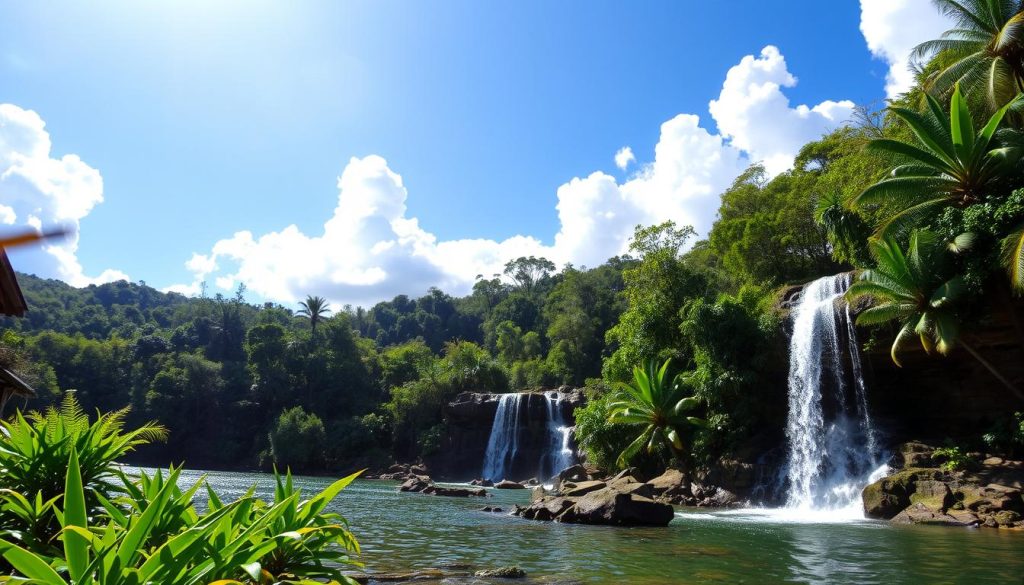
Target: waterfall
(559, 454)
(517, 437)
(832, 443)
(504, 440)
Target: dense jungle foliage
(924, 198)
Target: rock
(536, 494)
(532, 481)
(491, 509)
(425, 485)
(574, 473)
(502, 573)
(1007, 518)
(721, 498)
(416, 484)
(932, 493)
(670, 483)
(419, 469)
(922, 514)
(508, 485)
(619, 509)
(884, 499)
(912, 454)
(583, 488)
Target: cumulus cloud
(370, 249)
(624, 157)
(756, 116)
(892, 28)
(39, 191)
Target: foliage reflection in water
(401, 531)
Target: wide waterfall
(833, 449)
(528, 438)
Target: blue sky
(206, 119)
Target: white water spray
(504, 440)
(832, 443)
(559, 454)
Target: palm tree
(658, 402)
(953, 165)
(983, 53)
(914, 289)
(314, 309)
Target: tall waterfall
(526, 434)
(504, 440)
(832, 443)
(559, 454)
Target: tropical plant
(953, 165)
(34, 451)
(1012, 257)
(983, 53)
(660, 403)
(244, 541)
(916, 290)
(315, 309)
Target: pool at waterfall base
(403, 532)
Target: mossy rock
(933, 494)
(1007, 518)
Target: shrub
(297, 440)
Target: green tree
(983, 53)
(953, 165)
(297, 440)
(315, 309)
(656, 288)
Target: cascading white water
(559, 454)
(832, 443)
(508, 437)
(504, 440)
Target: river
(401, 531)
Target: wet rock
(922, 514)
(503, 573)
(583, 488)
(574, 473)
(423, 484)
(508, 485)
(671, 483)
(537, 493)
(619, 509)
(495, 509)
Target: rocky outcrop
(502, 573)
(506, 484)
(399, 472)
(424, 485)
(930, 495)
(469, 419)
(604, 504)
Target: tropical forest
(821, 380)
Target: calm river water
(401, 531)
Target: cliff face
(470, 418)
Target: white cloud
(623, 157)
(46, 192)
(892, 28)
(371, 250)
(754, 114)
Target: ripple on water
(401, 531)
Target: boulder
(884, 499)
(603, 505)
(922, 514)
(671, 482)
(416, 484)
(424, 485)
(502, 573)
(574, 473)
(618, 509)
(583, 488)
(418, 469)
(508, 485)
